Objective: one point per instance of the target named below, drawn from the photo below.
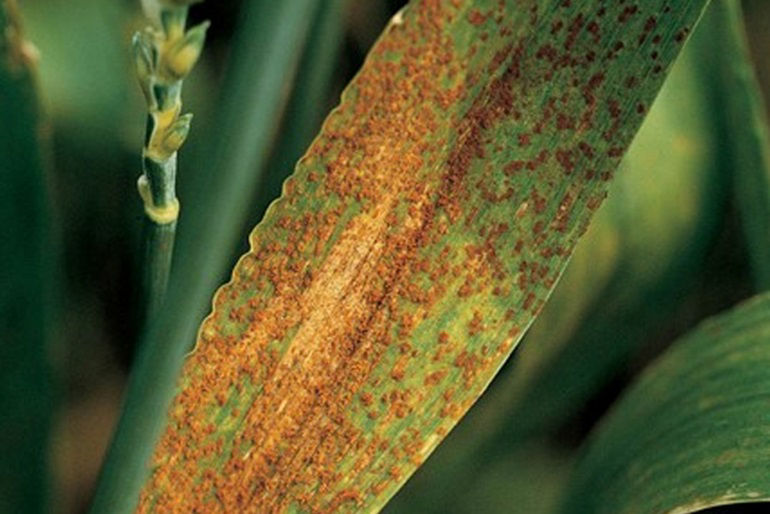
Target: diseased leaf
(26, 396)
(629, 271)
(693, 432)
(669, 208)
(413, 246)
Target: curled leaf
(693, 432)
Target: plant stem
(163, 58)
(273, 35)
(159, 248)
(157, 189)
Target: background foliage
(95, 132)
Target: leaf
(644, 245)
(25, 382)
(692, 433)
(308, 103)
(659, 231)
(413, 246)
(239, 141)
(748, 137)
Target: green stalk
(164, 57)
(748, 136)
(158, 251)
(273, 35)
(27, 297)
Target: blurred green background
(492, 461)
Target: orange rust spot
(435, 378)
(475, 17)
(399, 368)
(379, 487)
(476, 324)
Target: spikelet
(163, 56)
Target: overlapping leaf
(414, 244)
(693, 432)
(748, 136)
(308, 104)
(25, 275)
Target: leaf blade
(748, 136)
(644, 245)
(26, 397)
(308, 103)
(692, 432)
(338, 320)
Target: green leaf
(415, 243)
(26, 396)
(265, 58)
(693, 431)
(643, 247)
(748, 137)
(309, 101)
